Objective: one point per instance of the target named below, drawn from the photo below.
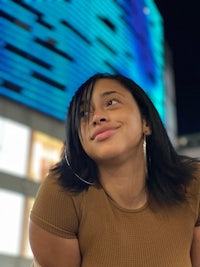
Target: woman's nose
(98, 118)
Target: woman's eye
(84, 114)
(112, 102)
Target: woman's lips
(104, 134)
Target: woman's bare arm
(52, 251)
(195, 250)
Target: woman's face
(112, 128)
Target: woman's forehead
(107, 83)
(104, 87)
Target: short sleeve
(56, 210)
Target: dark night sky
(182, 32)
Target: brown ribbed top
(113, 236)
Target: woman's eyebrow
(104, 94)
(110, 93)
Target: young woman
(120, 195)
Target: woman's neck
(125, 184)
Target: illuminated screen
(49, 48)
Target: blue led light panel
(48, 48)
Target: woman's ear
(146, 127)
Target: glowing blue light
(48, 49)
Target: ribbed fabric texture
(111, 236)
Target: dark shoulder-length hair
(168, 172)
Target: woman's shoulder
(51, 186)
(57, 209)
